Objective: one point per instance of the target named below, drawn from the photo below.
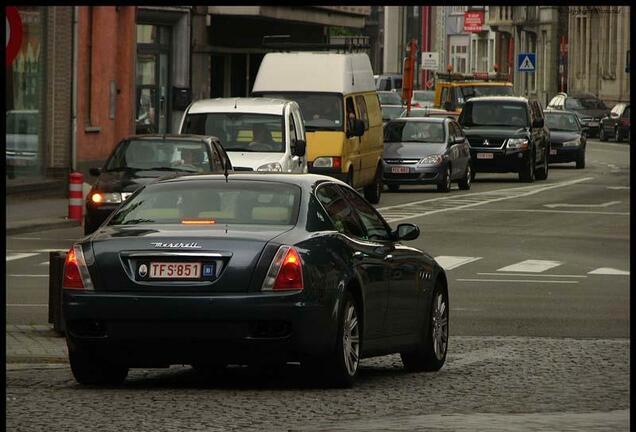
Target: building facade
(598, 52)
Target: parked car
(388, 82)
(425, 151)
(141, 159)
(616, 124)
(389, 98)
(256, 269)
(389, 112)
(588, 107)
(430, 112)
(423, 98)
(567, 137)
(259, 134)
(507, 134)
(22, 144)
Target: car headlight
(327, 162)
(432, 160)
(273, 166)
(106, 198)
(573, 143)
(517, 143)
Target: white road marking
(618, 187)
(609, 271)
(547, 211)
(27, 275)
(529, 274)
(45, 263)
(607, 204)
(451, 262)
(530, 266)
(27, 305)
(17, 256)
(51, 250)
(414, 209)
(517, 280)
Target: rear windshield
(212, 202)
(245, 132)
(494, 113)
(145, 154)
(424, 96)
(561, 122)
(485, 90)
(391, 112)
(389, 98)
(414, 131)
(584, 103)
(321, 111)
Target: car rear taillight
(285, 272)
(76, 275)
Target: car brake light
(336, 162)
(76, 275)
(198, 222)
(285, 272)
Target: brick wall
(59, 90)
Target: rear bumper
(416, 174)
(158, 330)
(565, 154)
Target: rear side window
(345, 219)
(212, 202)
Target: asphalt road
(539, 294)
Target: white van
(258, 134)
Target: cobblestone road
(488, 383)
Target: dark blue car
(210, 271)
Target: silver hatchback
(425, 151)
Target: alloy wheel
(351, 339)
(440, 327)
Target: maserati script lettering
(193, 245)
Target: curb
(21, 228)
(15, 359)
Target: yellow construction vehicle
(452, 90)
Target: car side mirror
(95, 172)
(407, 232)
(357, 128)
(300, 149)
(537, 123)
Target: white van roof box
(315, 72)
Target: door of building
(153, 60)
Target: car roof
(423, 119)
(172, 137)
(498, 99)
(555, 111)
(244, 105)
(303, 180)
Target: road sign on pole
(13, 33)
(526, 62)
(430, 60)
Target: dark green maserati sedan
(212, 270)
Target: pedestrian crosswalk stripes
(531, 266)
(451, 262)
(17, 256)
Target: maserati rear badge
(192, 245)
(143, 270)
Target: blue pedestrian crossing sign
(526, 62)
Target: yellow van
(340, 106)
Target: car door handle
(359, 255)
(388, 258)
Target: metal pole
(74, 91)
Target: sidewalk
(38, 214)
(34, 344)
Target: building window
(24, 91)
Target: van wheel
(349, 179)
(373, 191)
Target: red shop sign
(473, 21)
(14, 33)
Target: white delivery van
(258, 134)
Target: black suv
(588, 107)
(507, 134)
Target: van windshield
(321, 111)
(239, 131)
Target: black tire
(465, 182)
(474, 174)
(542, 174)
(601, 133)
(90, 370)
(444, 184)
(349, 179)
(208, 369)
(526, 174)
(617, 135)
(430, 353)
(580, 159)
(341, 370)
(373, 192)
(393, 187)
